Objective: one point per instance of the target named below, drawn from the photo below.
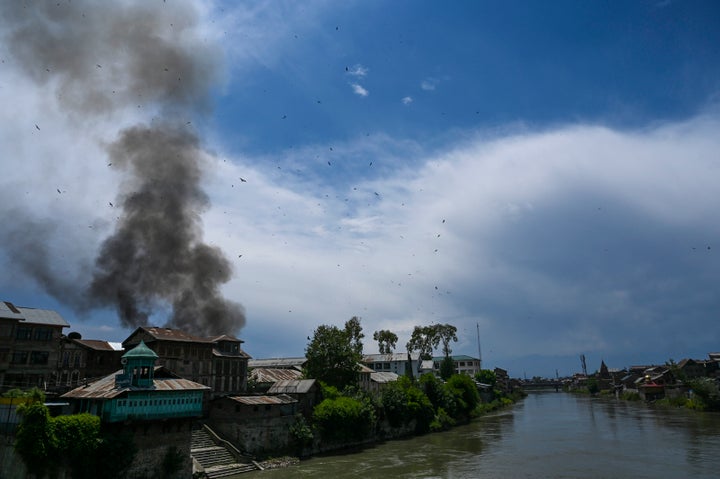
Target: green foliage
(403, 402)
(706, 393)
(344, 418)
(386, 340)
(438, 394)
(35, 442)
(332, 357)
(442, 421)
(446, 333)
(464, 391)
(301, 432)
(74, 441)
(424, 339)
(486, 376)
(353, 330)
(630, 396)
(592, 385)
(77, 439)
(447, 368)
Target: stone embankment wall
(260, 437)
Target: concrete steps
(216, 460)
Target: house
(399, 363)
(691, 369)
(81, 360)
(306, 391)
(29, 341)
(150, 402)
(463, 364)
(218, 362)
(263, 379)
(140, 391)
(379, 379)
(296, 363)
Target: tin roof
(31, 315)
(272, 375)
(264, 400)
(141, 351)
(99, 345)
(293, 386)
(277, 362)
(105, 388)
(383, 377)
(385, 358)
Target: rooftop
(31, 315)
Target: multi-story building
(398, 363)
(217, 362)
(463, 364)
(82, 360)
(29, 344)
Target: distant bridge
(542, 385)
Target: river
(546, 435)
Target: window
(23, 332)
(43, 334)
(19, 357)
(39, 357)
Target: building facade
(29, 346)
(217, 362)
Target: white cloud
(357, 71)
(359, 90)
(429, 84)
(407, 100)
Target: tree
(447, 368)
(465, 392)
(446, 333)
(424, 339)
(331, 358)
(486, 376)
(35, 441)
(386, 340)
(355, 334)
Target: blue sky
(545, 170)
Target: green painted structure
(142, 391)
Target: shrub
(344, 418)
(465, 393)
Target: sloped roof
(264, 400)
(32, 315)
(140, 351)
(226, 337)
(460, 357)
(163, 380)
(383, 377)
(99, 345)
(168, 334)
(272, 375)
(277, 362)
(294, 386)
(385, 358)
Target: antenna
(479, 350)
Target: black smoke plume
(101, 57)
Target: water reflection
(550, 434)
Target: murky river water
(547, 435)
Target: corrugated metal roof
(99, 345)
(220, 354)
(383, 377)
(260, 400)
(31, 315)
(168, 334)
(105, 388)
(277, 362)
(272, 375)
(294, 386)
(385, 358)
(43, 316)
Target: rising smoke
(102, 57)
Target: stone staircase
(216, 460)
